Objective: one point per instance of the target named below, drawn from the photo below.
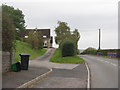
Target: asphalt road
(104, 71)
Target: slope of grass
(25, 48)
(57, 58)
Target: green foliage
(25, 48)
(76, 35)
(61, 30)
(17, 19)
(57, 58)
(8, 32)
(63, 34)
(35, 39)
(90, 50)
(68, 48)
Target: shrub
(90, 50)
(68, 48)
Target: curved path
(43, 61)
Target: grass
(57, 58)
(25, 48)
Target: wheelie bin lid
(24, 54)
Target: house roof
(45, 32)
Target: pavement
(62, 76)
(65, 78)
(104, 71)
(16, 79)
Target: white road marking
(107, 62)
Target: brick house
(47, 38)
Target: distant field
(57, 58)
(25, 48)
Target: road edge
(89, 77)
(33, 81)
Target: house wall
(48, 42)
(6, 62)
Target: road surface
(65, 78)
(104, 71)
(63, 75)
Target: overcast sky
(85, 15)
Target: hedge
(68, 48)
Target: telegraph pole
(99, 38)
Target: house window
(45, 43)
(26, 36)
(44, 36)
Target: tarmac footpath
(16, 79)
(24, 78)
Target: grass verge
(25, 48)
(57, 58)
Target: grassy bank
(25, 48)
(57, 58)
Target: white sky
(85, 15)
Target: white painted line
(113, 64)
(108, 62)
(88, 80)
(31, 82)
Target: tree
(40, 40)
(8, 32)
(76, 34)
(61, 30)
(35, 39)
(66, 39)
(63, 33)
(18, 19)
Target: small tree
(35, 39)
(40, 40)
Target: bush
(68, 48)
(90, 50)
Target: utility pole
(99, 38)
